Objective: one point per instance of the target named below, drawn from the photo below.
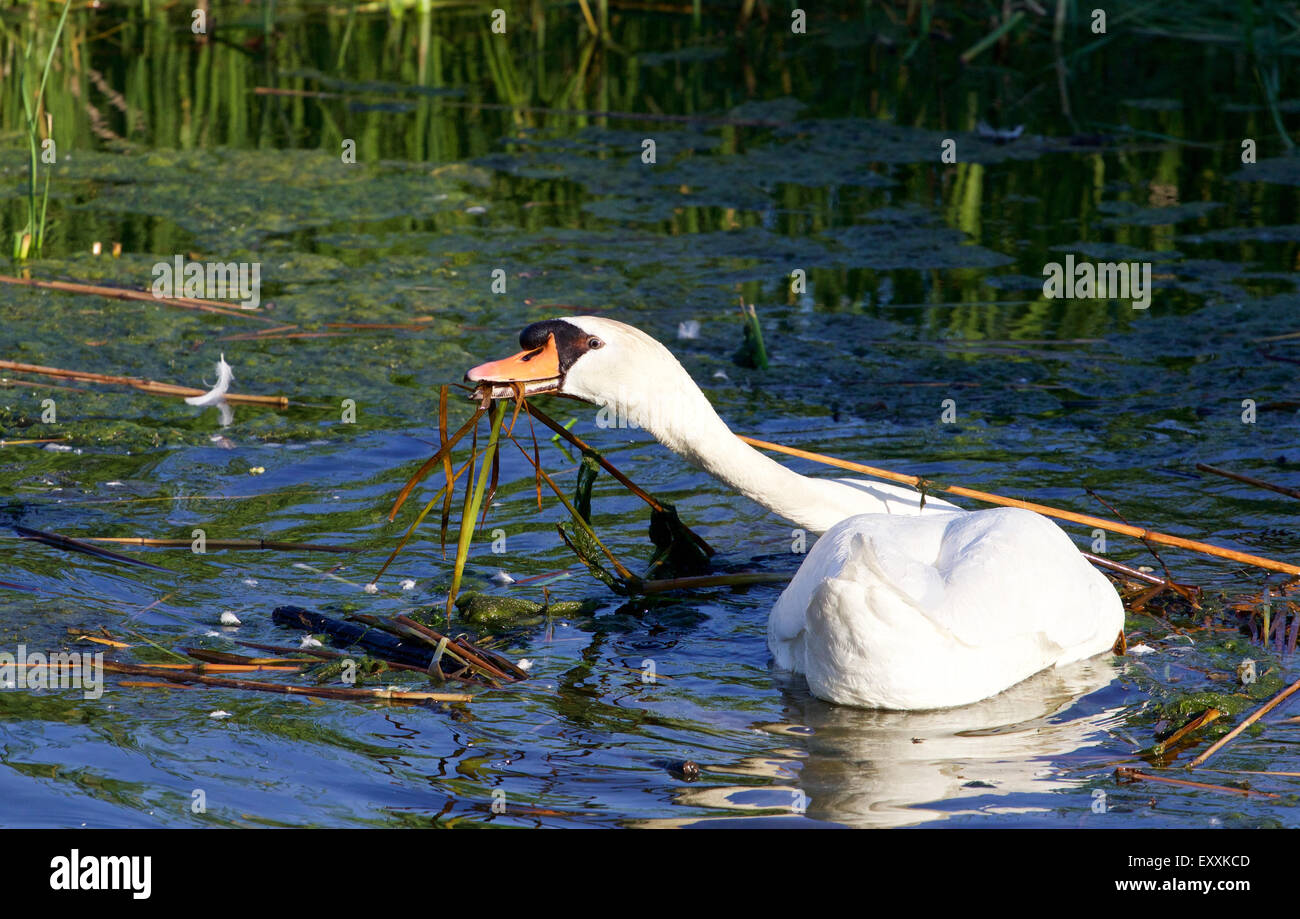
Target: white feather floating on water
(217, 394)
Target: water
(924, 285)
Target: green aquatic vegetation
(364, 669)
(751, 354)
(896, 245)
(250, 196)
(492, 610)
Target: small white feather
(217, 394)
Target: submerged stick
(153, 387)
(1250, 480)
(220, 544)
(1259, 713)
(325, 692)
(1113, 526)
(76, 545)
(1133, 775)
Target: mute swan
(896, 606)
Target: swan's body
(897, 606)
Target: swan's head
(586, 357)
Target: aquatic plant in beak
(543, 367)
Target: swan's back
(939, 610)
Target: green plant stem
(479, 484)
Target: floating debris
(998, 135)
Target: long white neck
(680, 417)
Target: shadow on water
(774, 152)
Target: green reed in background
(30, 240)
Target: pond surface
(818, 152)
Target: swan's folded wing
(1009, 573)
(876, 550)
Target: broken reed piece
(739, 579)
(471, 655)
(1200, 721)
(152, 387)
(322, 654)
(1113, 526)
(124, 293)
(434, 667)
(400, 642)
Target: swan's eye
(594, 343)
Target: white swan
(896, 606)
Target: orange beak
(540, 366)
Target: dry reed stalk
(352, 693)
(152, 387)
(122, 293)
(1113, 526)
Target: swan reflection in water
(866, 768)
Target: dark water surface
(818, 152)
